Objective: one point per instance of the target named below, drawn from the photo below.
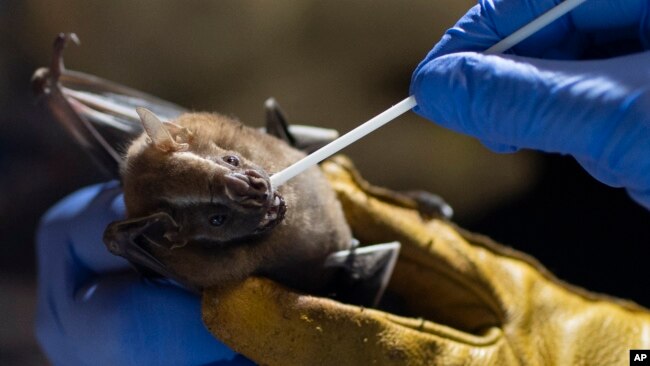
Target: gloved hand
(477, 303)
(94, 309)
(549, 96)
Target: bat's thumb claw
(44, 77)
(40, 82)
(61, 40)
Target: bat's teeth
(273, 216)
(266, 220)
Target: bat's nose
(250, 186)
(258, 182)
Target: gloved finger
(79, 221)
(593, 110)
(569, 37)
(275, 326)
(124, 320)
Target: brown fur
(292, 252)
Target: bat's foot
(430, 205)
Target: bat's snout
(249, 187)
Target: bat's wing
(306, 138)
(99, 114)
(363, 273)
(134, 238)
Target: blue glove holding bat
(580, 86)
(94, 309)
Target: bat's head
(214, 195)
(236, 203)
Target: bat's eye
(217, 220)
(231, 159)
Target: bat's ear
(276, 123)
(158, 133)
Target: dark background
(333, 64)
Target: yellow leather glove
(475, 303)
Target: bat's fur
(191, 185)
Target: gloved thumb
(593, 110)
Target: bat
(200, 207)
(205, 178)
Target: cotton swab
(407, 104)
(534, 26)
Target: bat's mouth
(274, 214)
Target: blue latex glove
(545, 94)
(94, 309)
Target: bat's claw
(41, 81)
(61, 40)
(44, 78)
(431, 205)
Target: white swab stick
(407, 104)
(534, 26)
(324, 152)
